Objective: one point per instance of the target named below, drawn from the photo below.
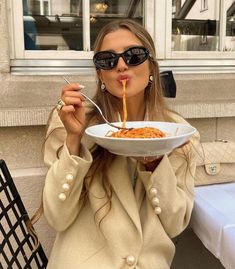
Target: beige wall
(206, 100)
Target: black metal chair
(17, 244)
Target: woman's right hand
(72, 115)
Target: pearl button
(130, 260)
(153, 191)
(155, 201)
(62, 196)
(69, 178)
(157, 210)
(65, 187)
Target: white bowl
(177, 135)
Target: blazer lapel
(139, 192)
(121, 183)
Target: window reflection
(104, 11)
(57, 24)
(52, 25)
(195, 25)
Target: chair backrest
(17, 245)
(168, 84)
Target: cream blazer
(137, 231)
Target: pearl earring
(102, 87)
(150, 78)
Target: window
(188, 33)
(66, 25)
(204, 5)
(62, 29)
(193, 30)
(210, 31)
(184, 48)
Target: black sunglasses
(133, 56)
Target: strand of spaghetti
(124, 103)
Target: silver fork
(98, 108)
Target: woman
(113, 211)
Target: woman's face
(137, 76)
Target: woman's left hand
(150, 162)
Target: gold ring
(60, 104)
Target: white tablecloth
(213, 220)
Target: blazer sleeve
(64, 179)
(173, 181)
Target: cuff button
(69, 178)
(130, 260)
(153, 191)
(62, 197)
(155, 201)
(157, 210)
(65, 187)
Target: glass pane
(53, 24)
(36, 8)
(45, 8)
(195, 25)
(57, 24)
(230, 25)
(101, 12)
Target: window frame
(19, 53)
(158, 23)
(203, 55)
(204, 5)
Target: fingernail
(81, 86)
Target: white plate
(177, 134)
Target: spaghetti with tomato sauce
(144, 132)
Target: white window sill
(85, 67)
